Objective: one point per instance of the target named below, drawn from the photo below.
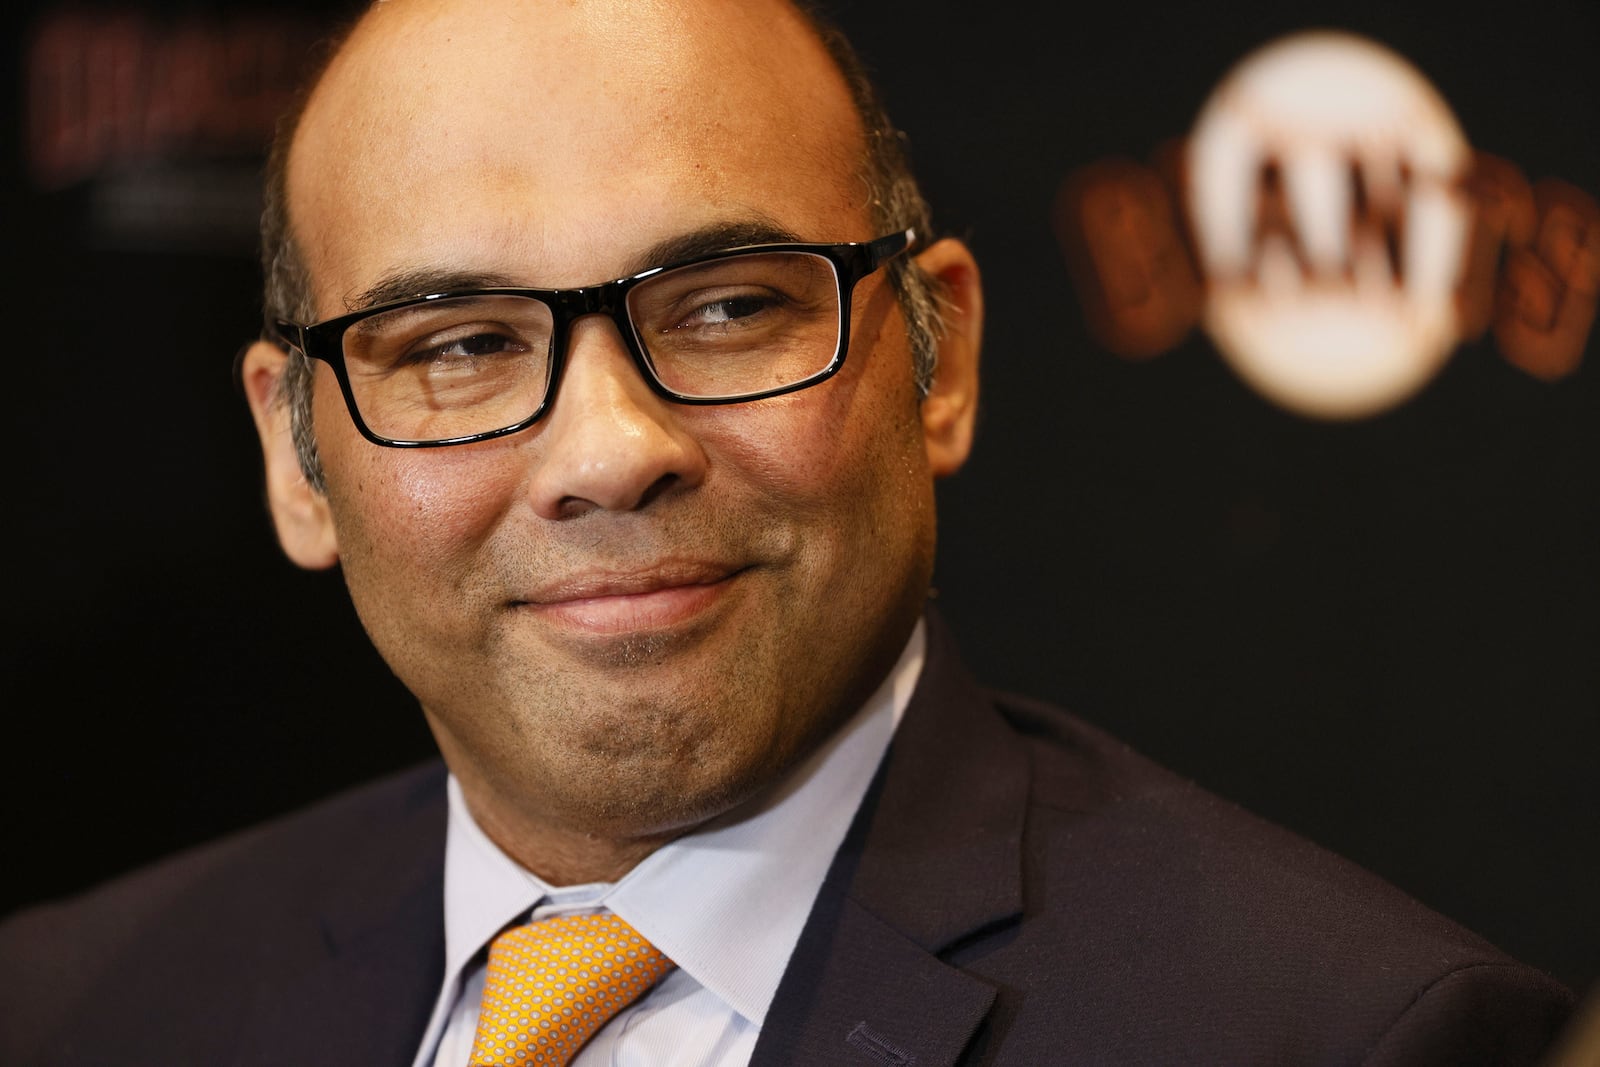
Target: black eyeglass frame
(852, 261)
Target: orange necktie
(554, 982)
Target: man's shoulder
(1165, 893)
(258, 898)
(273, 858)
(1101, 813)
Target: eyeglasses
(736, 325)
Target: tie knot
(551, 984)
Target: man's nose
(609, 442)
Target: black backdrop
(1381, 634)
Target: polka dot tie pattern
(553, 983)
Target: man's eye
(727, 310)
(465, 347)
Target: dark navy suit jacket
(1017, 889)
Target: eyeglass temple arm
(891, 245)
(290, 335)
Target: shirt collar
(725, 903)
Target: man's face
(633, 615)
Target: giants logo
(1330, 228)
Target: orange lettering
(1549, 287)
(1118, 230)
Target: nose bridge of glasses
(608, 300)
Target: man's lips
(630, 602)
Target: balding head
(584, 74)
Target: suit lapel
(932, 858)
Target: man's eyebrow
(404, 284)
(412, 282)
(713, 238)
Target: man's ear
(300, 513)
(950, 410)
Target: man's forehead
(574, 114)
(589, 53)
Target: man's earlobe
(949, 413)
(299, 512)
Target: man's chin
(661, 806)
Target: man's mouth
(627, 602)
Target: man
(653, 555)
